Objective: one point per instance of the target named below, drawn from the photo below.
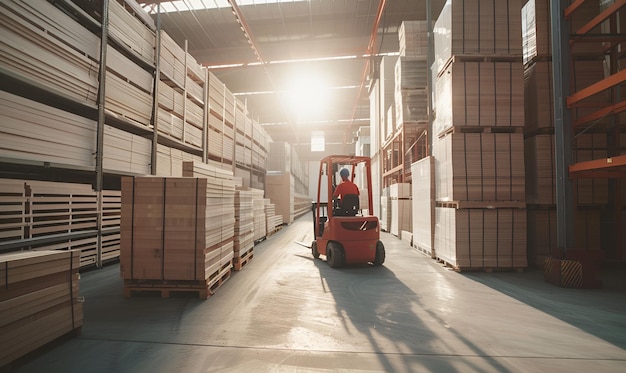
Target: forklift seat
(349, 205)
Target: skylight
(187, 5)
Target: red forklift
(345, 232)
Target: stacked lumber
(111, 208)
(51, 215)
(125, 152)
(13, 204)
(273, 222)
(260, 222)
(221, 102)
(479, 145)
(280, 189)
(177, 233)
(37, 132)
(279, 157)
(244, 228)
(423, 206)
(39, 300)
(182, 115)
(128, 88)
(63, 52)
(170, 161)
(130, 26)
(302, 205)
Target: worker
(346, 186)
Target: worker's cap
(344, 172)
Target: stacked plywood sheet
(177, 233)
(279, 188)
(385, 211)
(39, 300)
(423, 204)
(480, 215)
(244, 228)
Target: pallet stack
(400, 196)
(260, 221)
(423, 207)
(177, 233)
(591, 195)
(244, 228)
(480, 216)
(39, 300)
(411, 73)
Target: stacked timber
(591, 196)
(273, 222)
(39, 300)
(244, 228)
(480, 216)
(260, 221)
(423, 206)
(221, 121)
(182, 115)
(280, 189)
(177, 233)
(400, 196)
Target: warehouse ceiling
(299, 64)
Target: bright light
(306, 97)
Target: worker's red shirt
(346, 187)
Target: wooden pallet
(164, 288)
(464, 269)
(240, 262)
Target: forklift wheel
(334, 255)
(380, 254)
(316, 254)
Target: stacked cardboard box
(39, 300)
(478, 149)
(280, 189)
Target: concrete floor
(285, 312)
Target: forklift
(343, 232)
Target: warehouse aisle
(289, 313)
